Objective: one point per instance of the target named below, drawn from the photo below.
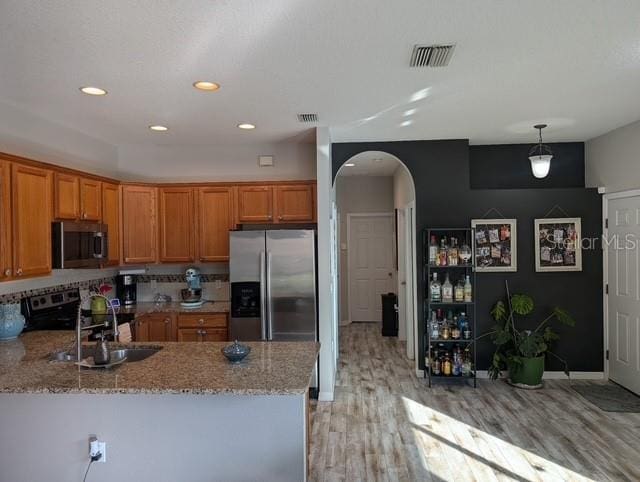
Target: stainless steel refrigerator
(273, 285)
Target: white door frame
(605, 267)
(348, 270)
(410, 277)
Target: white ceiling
(371, 163)
(574, 64)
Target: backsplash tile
(87, 284)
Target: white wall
(613, 159)
(293, 160)
(403, 189)
(28, 135)
(152, 438)
(327, 322)
(358, 194)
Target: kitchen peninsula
(185, 409)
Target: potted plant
(522, 351)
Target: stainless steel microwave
(79, 245)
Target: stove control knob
(43, 301)
(36, 302)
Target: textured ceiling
(574, 64)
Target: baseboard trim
(557, 375)
(325, 397)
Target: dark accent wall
(507, 166)
(441, 173)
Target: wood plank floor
(386, 424)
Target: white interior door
(370, 252)
(402, 277)
(624, 292)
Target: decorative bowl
(11, 321)
(189, 294)
(236, 352)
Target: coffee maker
(126, 289)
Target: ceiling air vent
(308, 117)
(431, 55)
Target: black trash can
(389, 315)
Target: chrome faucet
(79, 327)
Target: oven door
(79, 245)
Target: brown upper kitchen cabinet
(32, 214)
(6, 265)
(111, 217)
(215, 219)
(139, 224)
(294, 203)
(67, 196)
(177, 227)
(90, 200)
(255, 204)
(77, 198)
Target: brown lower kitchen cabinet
(155, 327)
(202, 327)
(202, 334)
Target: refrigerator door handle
(269, 300)
(263, 297)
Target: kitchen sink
(133, 354)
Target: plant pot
(528, 374)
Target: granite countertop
(143, 308)
(272, 368)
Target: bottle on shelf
(466, 362)
(445, 331)
(435, 289)
(455, 329)
(452, 254)
(436, 362)
(433, 250)
(468, 290)
(446, 365)
(457, 361)
(434, 328)
(458, 292)
(465, 253)
(465, 328)
(442, 252)
(447, 290)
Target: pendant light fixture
(540, 156)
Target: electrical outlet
(97, 447)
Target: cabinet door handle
(167, 320)
(19, 271)
(201, 321)
(280, 217)
(7, 272)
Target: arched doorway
(374, 191)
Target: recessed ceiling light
(93, 90)
(159, 128)
(206, 85)
(350, 164)
(246, 126)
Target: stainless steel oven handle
(269, 300)
(263, 296)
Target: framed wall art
(495, 244)
(558, 244)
